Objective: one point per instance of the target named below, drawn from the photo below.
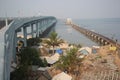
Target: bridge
(33, 26)
(102, 40)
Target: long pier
(103, 40)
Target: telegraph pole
(6, 21)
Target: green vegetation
(20, 74)
(70, 61)
(76, 45)
(33, 41)
(28, 57)
(53, 40)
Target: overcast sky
(61, 8)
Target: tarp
(62, 76)
(84, 51)
(113, 48)
(59, 51)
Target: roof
(96, 47)
(85, 50)
(53, 59)
(43, 68)
(62, 76)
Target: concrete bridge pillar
(106, 43)
(99, 38)
(25, 36)
(89, 34)
(92, 36)
(95, 37)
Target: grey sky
(61, 8)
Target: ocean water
(72, 36)
(108, 27)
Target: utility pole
(6, 21)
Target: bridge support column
(43, 25)
(40, 29)
(25, 36)
(37, 30)
(32, 33)
(14, 47)
(106, 43)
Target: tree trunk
(53, 50)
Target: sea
(109, 27)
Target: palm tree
(53, 40)
(70, 62)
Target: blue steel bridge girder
(11, 37)
(31, 25)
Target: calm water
(72, 36)
(106, 27)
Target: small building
(68, 21)
(44, 76)
(62, 76)
(53, 59)
(95, 49)
(85, 50)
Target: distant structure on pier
(68, 21)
